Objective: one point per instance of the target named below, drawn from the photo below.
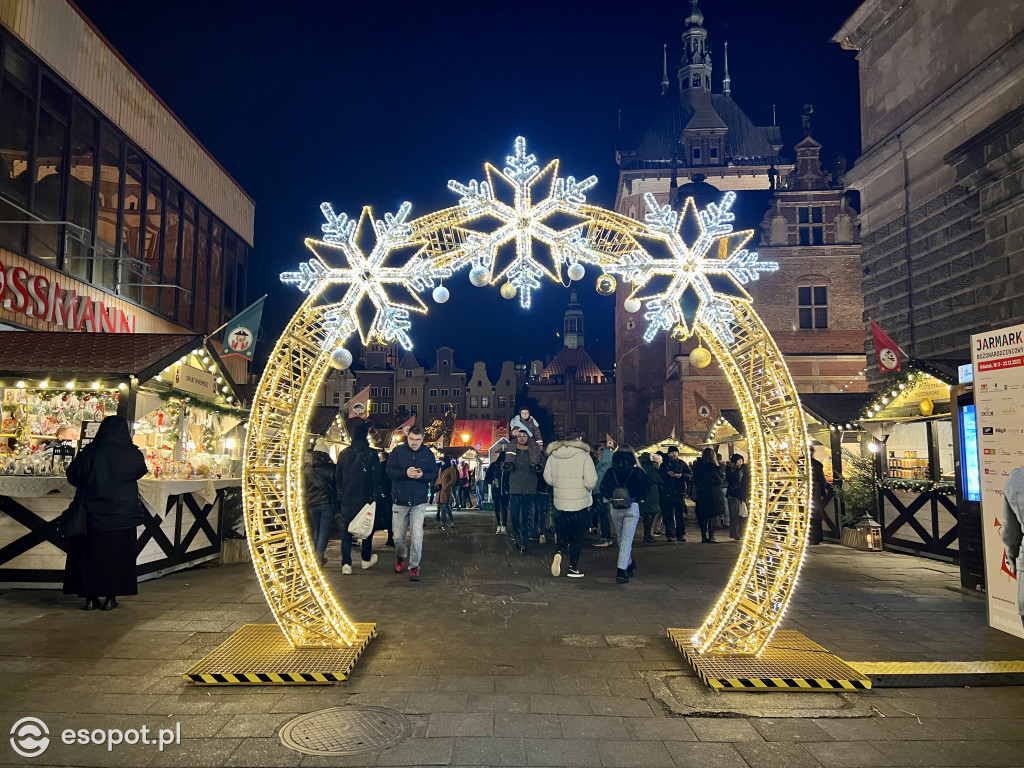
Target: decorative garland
(944, 487)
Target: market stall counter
(186, 419)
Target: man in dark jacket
(650, 508)
(321, 497)
(677, 477)
(412, 470)
(497, 478)
(356, 479)
(522, 490)
(737, 478)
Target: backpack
(620, 498)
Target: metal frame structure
(703, 296)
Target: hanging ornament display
(508, 291)
(479, 276)
(576, 271)
(341, 359)
(631, 305)
(606, 285)
(927, 407)
(440, 294)
(680, 333)
(700, 358)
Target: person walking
(497, 479)
(318, 480)
(101, 561)
(650, 508)
(446, 482)
(522, 490)
(1012, 533)
(602, 460)
(355, 477)
(819, 489)
(382, 513)
(625, 486)
(412, 470)
(542, 508)
(737, 478)
(676, 476)
(707, 480)
(571, 474)
(478, 479)
(465, 481)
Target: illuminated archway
(696, 289)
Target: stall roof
(51, 353)
(321, 418)
(836, 407)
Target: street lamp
(465, 438)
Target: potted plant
(858, 495)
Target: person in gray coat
(1013, 529)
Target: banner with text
(998, 358)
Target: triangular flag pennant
(407, 425)
(704, 409)
(359, 406)
(672, 437)
(886, 350)
(242, 330)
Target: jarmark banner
(998, 358)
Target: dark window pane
(805, 318)
(804, 296)
(819, 236)
(816, 212)
(51, 165)
(80, 194)
(56, 99)
(151, 237)
(16, 126)
(216, 264)
(821, 317)
(129, 275)
(169, 297)
(105, 265)
(803, 213)
(20, 68)
(202, 275)
(820, 295)
(805, 236)
(133, 160)
(188, 247)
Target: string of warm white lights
(704, 296)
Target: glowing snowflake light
(701, 284)
(366, 276)
(522, 220)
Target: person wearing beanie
(321, 497)
(356, 480)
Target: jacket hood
(567, 447)
(622, 461)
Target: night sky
(376, 103)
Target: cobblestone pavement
(496, 663)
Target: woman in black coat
(356, 479)
(707, 480)
(106, 473)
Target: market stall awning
(321, 418)
(726, 428)
(914, 395)
(47, 354)
(839, 408)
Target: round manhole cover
(499, 589)
(345, 730)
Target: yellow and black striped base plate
(260, 654)
(791, 662)
(941, 674)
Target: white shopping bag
(362, 524)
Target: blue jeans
(480, 495)
(625, 521)
(321, 518)
(408, 517)
(520, 508)
(541, 504)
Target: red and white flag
(886, 350)
(407, 425)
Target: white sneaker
(496, 532)
(346, 570)
(541, 539)
(504, 529)
(556, 565)
(369, 563)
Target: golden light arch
(697, 288)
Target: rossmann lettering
(40, 298)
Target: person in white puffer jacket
(570, 473)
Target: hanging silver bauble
(341, 359)
(440, 294)
(576, 271)
(479, 276)
(631, 305)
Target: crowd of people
(560, 494)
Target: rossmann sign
(41, 298)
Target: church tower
(695, 64)
(572, 323)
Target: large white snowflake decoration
(366, 276)
(690, 297)
(522, 220)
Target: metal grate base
(790, 662)
(259, 654)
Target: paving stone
(562, 752)
(789, 729)
(460, 724)
(492, 752)
(559, 705)
(474, 684)
(634, 754)
(698, 755)
(723, 729)
(255, 753)
(847, 754)
(620, 706)
(417, 752)
(935, 754)
(526, 725)
(592, 727)
(776, 755)
(206, 752)
(856, 729)
(659, 729)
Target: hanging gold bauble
(606, 285)
(508, 291)
(679, 333)
(927, 407)
(700, 358)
